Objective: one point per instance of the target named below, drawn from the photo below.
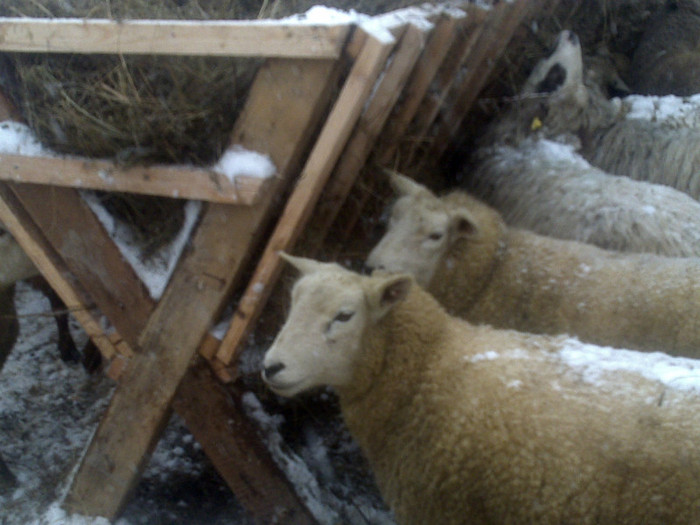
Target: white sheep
(557, 101)
(546, 187)
(462, 252)
(15, 266)
(467, 424)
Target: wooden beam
(493, 40)
(299, 207)
(436, 49)
(212, 411)
(168, 181)
(282, 111)
(173, 37)
(89, 254)
(366, 133)
(438, 45)
(467, 36)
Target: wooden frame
(391, 85)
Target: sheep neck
(395, 356)
(468, 268)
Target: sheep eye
(343, 317)
(436, 236)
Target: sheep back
(546, 187)
(475, 425)
(521, 280)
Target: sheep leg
(66, 346)
(9, 326)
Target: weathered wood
(282, 111)
(368, 129)
(299, 206)
(168, 181)
(467, 36)
(173, 37)
(493, 40)
(439, 43)
(211, 411)
(89, 253)
(54, 270)
(430, 60)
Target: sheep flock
(526, 347)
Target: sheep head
(422, 228)
(321, 341)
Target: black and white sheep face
(321, 340)
(562, 69)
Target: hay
(141, 109)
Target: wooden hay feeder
(414, 78)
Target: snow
(669, 109)
(238, 161)
(156, 269)
(17, 139)
(595, 362)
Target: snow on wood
(155, 270)
(24, 159)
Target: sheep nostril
(270, 371)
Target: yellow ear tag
(536, 124)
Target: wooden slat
(37, 248)
(241, 458)
(282, 111)
(439, 43)
(493, 40)
(467, 36)
(323, 157)
(173, 37)
(89, 253)
(435, 51)
(167, 181)
(368, 129)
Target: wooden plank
(47, 261)
(168, 181)
(448, 74)
(321, 161)
(367, 131)
(435, 52)
(89, 253)
(281, 114)
(173, 37)
(439, 43)
(492, 42)
(242, 455)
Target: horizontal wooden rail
(173, 37)
(167, 181)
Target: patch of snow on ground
(155, 271)
(239, 161)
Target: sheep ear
(403, 185)
(462, 225)
(303, 264)
(387, 293)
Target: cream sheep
(460, 250)
(546, 187)
(16, 266)
(667, 60)
(466, 424)
(558, 102)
